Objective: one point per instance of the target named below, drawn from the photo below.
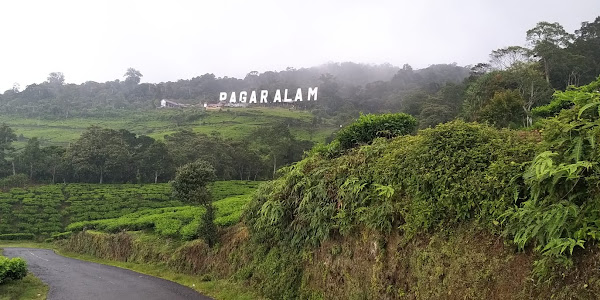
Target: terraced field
(49, 209)
(181, 221)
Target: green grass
(25, 244)
(219, 289)
(231, 123)
(28, 288)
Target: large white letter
(263, 96)
(277, 97)
(243, 96)
(222, 96)
(232, 99)
(312, 92)
(285, 98)
(252, 97)
(298, 95)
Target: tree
(56, 78)
(586, 45)
(479, 69)
(482, 90)
(32, 155)
(531, 85)
(186, 146)
(434, 113)
(133, 76)
(53, 156)
(547, 41)
(7, 136)
(190, 186)
(504, 58)
(524, 78)
(100, 152)
(156, 160)
(503, 110)
(276, 144)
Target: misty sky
(170, 40)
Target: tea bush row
(182, 221)
(45, 210)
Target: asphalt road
(72, 279)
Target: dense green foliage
(368, 127)
(539, 190)
(562, 211)
(44, 210)
(566, 99)
(445, 175)
(12, 269)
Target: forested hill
(511, 90)
(502, 91)
(55, 98)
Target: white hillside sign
(263, 96)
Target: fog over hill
(182, 39)
(352, 82)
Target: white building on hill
(169, 103)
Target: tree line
(102, 155)
(505, 90)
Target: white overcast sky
(170, 40)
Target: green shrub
(61, 236)
(562, 212)
(12, 269)
(449, 174)
(579, 96)
(17, 236)
(18, 180)
(368, 127)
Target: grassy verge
(219, 289)
(25, 244)
(27, 288)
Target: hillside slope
(231, 123)
(459, 211)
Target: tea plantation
(45, 210)
(181, 221)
